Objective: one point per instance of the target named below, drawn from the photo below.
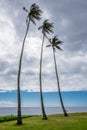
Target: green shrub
(11, 117)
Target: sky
(51, 99)
(70, 25)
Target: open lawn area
(76, 121)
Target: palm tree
(54, 43)
(46, 28)
(33, 14)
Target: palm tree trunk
(40, 78)
(19, 119)
(62, 105)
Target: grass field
(77, 121)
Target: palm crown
(33, 14)
(47, 27)
(55, 42)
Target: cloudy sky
(70, 24)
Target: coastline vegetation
(11, 117)
(75, 121)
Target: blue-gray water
(37, 110)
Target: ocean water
(37, 110)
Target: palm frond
(55, 42)
(34, 13)
(58, 48)
(45, 21)
(60, 42)
(32, 20)
(46, 27)
(25, 9)
(48, 45)
(40, 27)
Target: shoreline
(75, 121)
(14, 117)
(37, 110)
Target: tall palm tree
(54, 43)
(33, 14)
(46, 28)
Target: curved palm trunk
(40, 77)
(19, 119)
(63, 108)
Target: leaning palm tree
(54, 43)
(33, 14)
(46, 28)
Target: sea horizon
(74, 101)
(37, 110)
(51, 99)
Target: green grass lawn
(77, 121)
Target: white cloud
(7, 104)
(71, 65)
(64, 23)
(46, 14)
(8, 37)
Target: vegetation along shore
(75, 121)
